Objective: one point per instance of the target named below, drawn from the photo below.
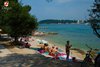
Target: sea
(80, 35)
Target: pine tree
(95, 17)
(16, 20)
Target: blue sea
(78, 34)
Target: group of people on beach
(51, 50)
(54, 52)
(24, 42)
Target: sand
(22, 51)
(35, 44)
(25, 57)
(4, 51)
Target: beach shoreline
(75, 52)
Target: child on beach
(67, 49)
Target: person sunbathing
(53, 51)
(44, 48)
(27, 45)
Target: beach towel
(41, 51)
(63, 56)
(51, 54)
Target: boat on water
(86, 23)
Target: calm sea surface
(78, 34)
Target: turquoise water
(78, 34)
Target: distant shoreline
(57, 21)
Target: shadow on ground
(4, 39)
(35, 60)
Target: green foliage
(94, 19)
(50, 21)
(17, 21)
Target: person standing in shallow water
(67, 49)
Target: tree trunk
(16, 40)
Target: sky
(60, 9)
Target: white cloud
(62, 1)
